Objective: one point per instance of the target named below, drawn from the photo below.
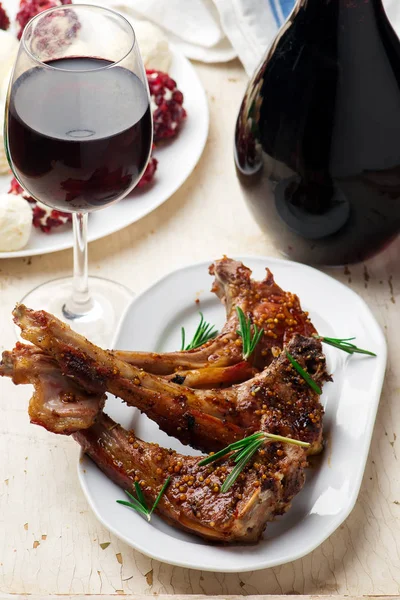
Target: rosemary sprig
(343, 344)
(139, 504)
(241, 460)
(135, 504)
(243, 450)
(249, 339)
(204, 332)
(307, 378)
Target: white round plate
(153, 321)
(176, 161)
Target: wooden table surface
(50, 542)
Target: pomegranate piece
(167, 101)
(16, 188)
(46, 219)
(43, 217)
(31, 8)
(4, 20)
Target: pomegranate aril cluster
(43, 218)
(4, 20)
(31, 8)
(167, 105)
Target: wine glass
(78, 137)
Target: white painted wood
(38, 482)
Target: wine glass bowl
(79, 123)
(78, 138)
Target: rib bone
(58, 403)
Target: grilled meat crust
(278, 312)
(277, 399)
(70, 377)
(193, 500)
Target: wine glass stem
(80, 301)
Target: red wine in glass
(87, 140)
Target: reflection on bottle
(311, 210)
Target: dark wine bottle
(317, 140)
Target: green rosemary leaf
(228, 449)
(204, 332)
(140, 496)
(135, 505)
(157, 500)
(245, 458)
(139, 503)
(217, 455)
(237, 457)
(183, 338)
(132, 497)
(280, 438)
(242, 451)
(258, 333)
(343, 344)
(213, 457)
(243, 328)
(249, 339)
(307, 378)
(247, 440)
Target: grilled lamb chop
(278, 400)
(193, 500)
(279, 313)
(58, 403)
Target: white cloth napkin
(193, 26)
(220, 30)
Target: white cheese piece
(15, 222)
(153, 45)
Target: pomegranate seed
(169, 113)
(149, 173)
(4, 20)
(177, 96)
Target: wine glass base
(100, 323)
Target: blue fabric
(287, 6)
(279, 8)
(274, 12)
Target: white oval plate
(153, 321)
(176, 161)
